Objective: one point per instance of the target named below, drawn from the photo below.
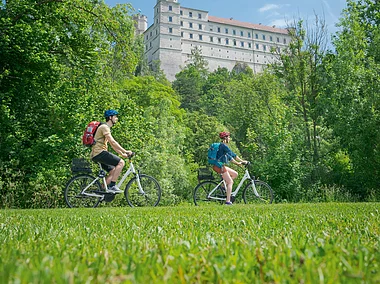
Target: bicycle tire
(74, 187)
(202, 190)
(152, 192)
(263, 189)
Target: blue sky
(265, 12)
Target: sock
(112, 183)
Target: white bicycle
(255, 191)
(84, 190)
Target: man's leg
(112, 164)
(114, 174)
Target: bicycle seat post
(102, 172)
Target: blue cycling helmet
(110, 112)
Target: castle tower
(167, 21)
(141, 23)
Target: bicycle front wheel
(150, 194)
(202, 195)
(263, 190)
(73, 192)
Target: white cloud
(269, 7)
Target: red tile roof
(246, 25)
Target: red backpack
(89, 133)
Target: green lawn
(282, 243)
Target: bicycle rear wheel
(201, 194)
(74, 187)
(264, 191)
(151, 195)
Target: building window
(170, 8)
(170, 19)
(257, 46)
(199, 16)
(150, 33)
(227, 41)
(156, 32)
(182, 23)
(181, 12)
(200, 26)
(284, 40)
(226, 31)
(234, 42)
(219, 40)
(242, 43)
(200, 37)
(257, 36)
(181, 34)
(190, 35)
(211, 39)
(218, 29)
(171, 30)
(249, 45)
(278, 39)
(263, 37)
(190, 25)
(233, 32)
(211, 29)
(150, 44)
(264, 47)
(241, 33)
(190, 14)
(156, 21)
(270, 38)
(249, 35)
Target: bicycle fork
(252, 181)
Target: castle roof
(233, 22)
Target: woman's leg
(229, 175)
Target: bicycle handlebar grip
(131, 155)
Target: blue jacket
(224, 155)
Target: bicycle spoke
(150, 196)
(264, 191)
(202, 197)
(73, 192)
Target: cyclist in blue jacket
(224, 156)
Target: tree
(189, 81)
(57, 58)
(352, 95)
(300, 68)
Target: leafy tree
(190, 81)
(352, 96)
(214, 99)
(300, 68)
(56, 61)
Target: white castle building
(224, 42)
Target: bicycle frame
(102, 175)
(246, 176)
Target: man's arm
(117, 147)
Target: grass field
(282, 243)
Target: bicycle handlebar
(131, 155)
(245, 164)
